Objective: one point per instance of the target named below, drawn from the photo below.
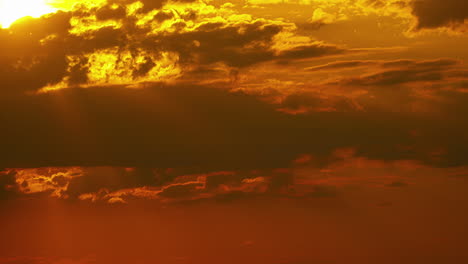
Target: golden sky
(244, 131)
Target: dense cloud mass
(170, 126)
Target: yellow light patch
(113, 66)
(116, 67)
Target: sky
(243, 131)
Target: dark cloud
(95, 179)
(405, 86)
(214, 42)
(8, 187)
(148, 5)
(406, 71)
(438, 64)
(181, 191)
(312, 101)
(102, 38)
(214, 181)
(163, 15)
(107, 13)
(397, 77)
(237, 45)
(439, 13)
(155, 127)
(79, 72)
(311, 25)
(310, 51)
(26, 64)
(190, 126)
(428, 65)
(341, 65)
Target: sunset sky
(228, 132)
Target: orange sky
(261, 131)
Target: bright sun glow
(12, 10)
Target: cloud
(106, 44)
(311, 101)
(410, 86)
(94, 179)
(26, 65)
(163, 126)
(317, 178)
(341, 65)
(432, 14)
(408, 72)
(8, 187)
